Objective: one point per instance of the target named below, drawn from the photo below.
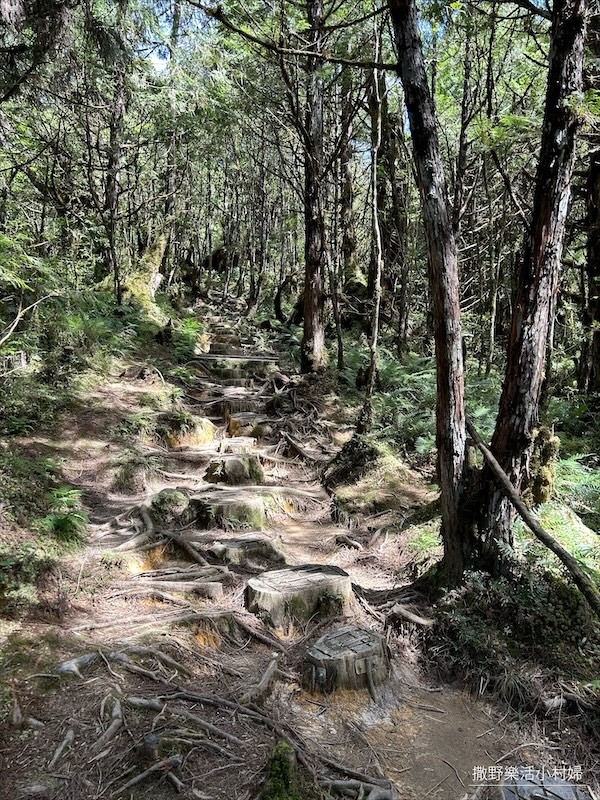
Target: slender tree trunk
(351, 270)
(113, 171)
(313, 356)
(375, 102)
(443, 278)
(512, 442)
(171, 154)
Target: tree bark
(512, 442)
(443, 278)
(313, 356)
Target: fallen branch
(161, 706)
(260, 689)
(207, 588)
(588, 588)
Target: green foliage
(66, 520)
(133, 470)
(30, 405)
(578, 485)
(26, 482)
(185, 339)
(490, 630)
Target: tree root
(164, 766)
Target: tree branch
(219, 15)
(20, 314)
(588, 588)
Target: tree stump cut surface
(346, 658)
(298, 593)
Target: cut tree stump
(346, 658)
(298, 594)
(247, 548)
(244, 471)
(244, 424)
(239, 445)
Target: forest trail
(144, 675)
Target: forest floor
(111, 656)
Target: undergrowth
(508, 634)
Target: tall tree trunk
(589, 368)
(375, 102)
(171, 154)
(443, 277)
(351, 270)
(512, 442)
(113, 170)
(313, 356)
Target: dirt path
(143, 655)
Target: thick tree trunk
(512, 442)
(589, 370)
(313, 356)
(443, 276)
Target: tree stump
(236, 471)
(346, 658)
(238, 444)
(247, 548)
(298, 594)
(243, 424)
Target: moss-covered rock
(169, 507)
(366, 477)
(180, 428)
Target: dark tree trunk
(113, 170)
(350, 271)
(512, 442)
(313, 355)
(443, 277)
(589, 370)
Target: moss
(169, 505)
(542, 482)
(177, 428)
(282, 781)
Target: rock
(298, 594)
(177, 429)
(346, 658)
(236, 471)
(245, 548)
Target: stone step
(346, 658)
(298, 594)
